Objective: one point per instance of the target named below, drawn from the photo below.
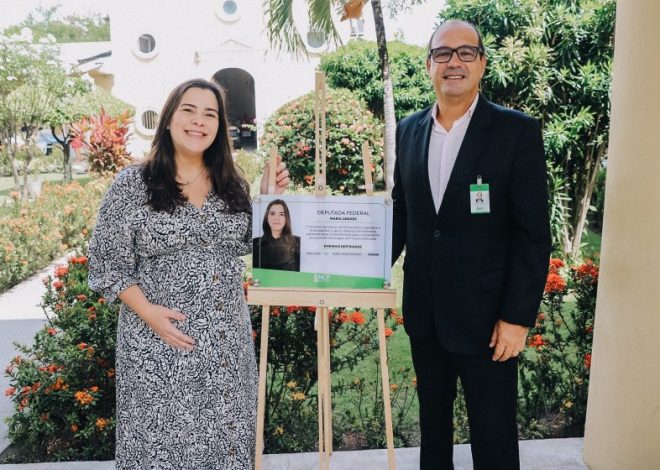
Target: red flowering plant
(291, 393)
(554, 370)
(291, 130)
(103, 138)
(63, 385)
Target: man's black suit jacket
(463, 271)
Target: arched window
(228, 10)
(147, 122)
(145, 46)
(316, 39)
(146, 43)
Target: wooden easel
(323, 300)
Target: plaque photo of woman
(277, 248)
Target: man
(475, 264)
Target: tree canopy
(71, 28)
(356, 67)
(553, 60)
(284, 34)
(38, 91)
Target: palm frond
(320, 18)
(281, 27)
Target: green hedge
(63, 385)
(355, 67)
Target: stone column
(623, 414)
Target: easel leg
(328, 383)
(385, 374)
(320, 341)
(261, 402)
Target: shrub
(51, 163)
(62, 387)
(356, 68)
(554, 370)
(34, 234)
(104, 139)
(291, 130)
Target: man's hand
(508, 339)
(281, 177)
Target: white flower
(11, 78)
(26, 34)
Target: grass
(357, 401)
(367, 371)
(591, 242)
(399, 347)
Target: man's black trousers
(490, 396)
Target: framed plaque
(327, 241)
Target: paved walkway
(547, 454)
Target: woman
(278, 248)
(167, 241)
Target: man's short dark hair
(482, 49)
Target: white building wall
(195, 39)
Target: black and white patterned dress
(177, 409)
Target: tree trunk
(26, 172)
(13, 151)
(68, 162)
(388, 95)
(566, 230)
(29, 156)
(14, 173)
(66, 151)
(585, 200)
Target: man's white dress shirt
(443, 150)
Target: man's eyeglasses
(442, 55)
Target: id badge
(479, 198)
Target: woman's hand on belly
(159, 319)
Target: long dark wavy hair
(159, 171)
(286, 230)
(287, 239)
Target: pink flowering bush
(35, 233)
(291, 130)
